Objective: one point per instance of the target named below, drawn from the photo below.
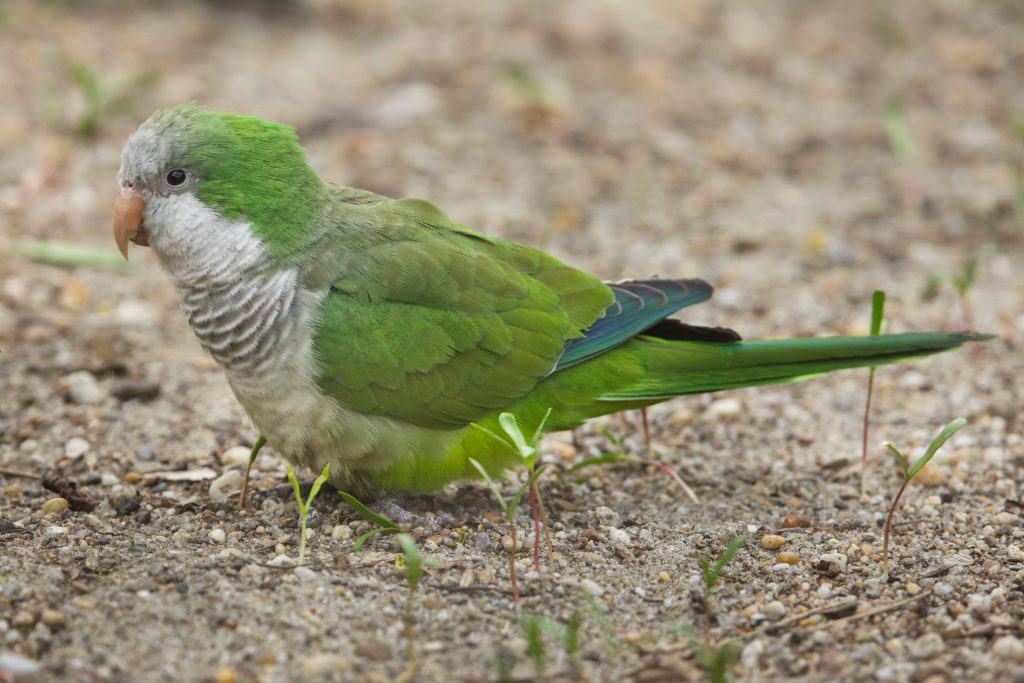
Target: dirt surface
(742, 142)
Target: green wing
(437, 325)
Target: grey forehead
(147, 151)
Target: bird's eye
(176, 177)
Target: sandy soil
(743, 142)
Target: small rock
(943, 589)
(606, 516)
(218, 535)
(324, 666)
(83, 388)
(145, 452)
(927, 646)
(772, 541)
(832, 562)
(725, 409)
(591, 588)
(53, 618)
(225, 674)
(618, 536)
(54, 506)
(75, 448)
(1009, 649)
(56, 530)
(681, 418)
(913, 588)
(788, 557)
(796, 522)
(95, 523)
(841, 610)
(931, 475)
(20, 668)
(23, 619)
(136, 389)
(341, 532)
(774, 610)
(304, 573)
(282, 560)
(1005, 519)
(222, 487)
(664, 577)
(124, 505)
(482, 540)
(376, 650)
(824, 590)
(235, 456)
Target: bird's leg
(260, 442)
(647, 430)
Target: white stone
(927, 646)
(341, 532)
(235, 456)
(774, 610)
(222, 488)
(218, 535)
(591, 588)
(75, 448)
(618, 536)
(55, 530)
(725, 409)
(83, 388)
(1009, 648)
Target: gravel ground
(743, 142)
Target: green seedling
(962, 284)
(877, 308)
(527, 450)
(508, 508)
(909, 472)
(412, 564)
(103, 101)
(304, 507)
(532, 626)
(68, 254)
(384, 525)
(715, 660)
(897, 131)
(568, 636)
(620, 457)
(711, 573)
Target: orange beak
(128, 211)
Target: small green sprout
(103, 101)
(68, 254)
(962, 284)
(909, 472)
(384, 525)
(532, 626)
(877, 308)
(412, 563)
(897, 131)
(716, 660)
(508, 507)
(568, 635)
(527, 450)
(711, 573)
(305, 507)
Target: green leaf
(69, 254)
(616, 441)
(317, 485)
(931, 287)
(367, 513)
(904, 467)
(502, 503)
(413, 560)
(705, 571)
(725, 557)
(295, 488)
(513, 504)
(895, 124)
(940, 438)
(877, 307)
(532, 631)
(539, 432)
(1018, 126)
(358, 545)
(964, 282)
(510, 424)
(603, 459)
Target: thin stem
(260, 442)
(302, 538)
(14, 473)
(888, 527)
(512, 559)
(544, 522)
(410, 648)
(864, 437)
(647, 430)
(532, 495)
(707, 617)
(675, 476)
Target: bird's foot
(390, 505)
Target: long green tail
(673, 368)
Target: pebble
(218, 535)
(75, 448)
(282, 560)
(1009, 648)
(591, 588)
(53, 618)
(222, 488)
(95, 523)
(55, 530)
(235, 456)
(225, 674)
(931, 475)
(664, 577)
(20, 668)
(927, 646)
(725, 409)
(824, 590)
(618, 536)
(1005, 519)
(774, 610)
(796, 522)
(833, 561)
(772, 541)
(788, 557)
(606, 516)
(376, 650)
(681, 418)
(943, 589)
(23, 619)
(145, 452)
(136, 389)
(54, 506)
(341, 532)
(324, 666)
(83, 388)
(304, 573)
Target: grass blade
(940, 438)
(877, 308)
(603, 459)
(727, 555)
(377, 518)
(317, 485)
(358, 545)
(293, 480)
(899, 456)
(491, 485)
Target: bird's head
(188, 173)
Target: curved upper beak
(128, 211)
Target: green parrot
(377, 335)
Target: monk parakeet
(381, 337)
